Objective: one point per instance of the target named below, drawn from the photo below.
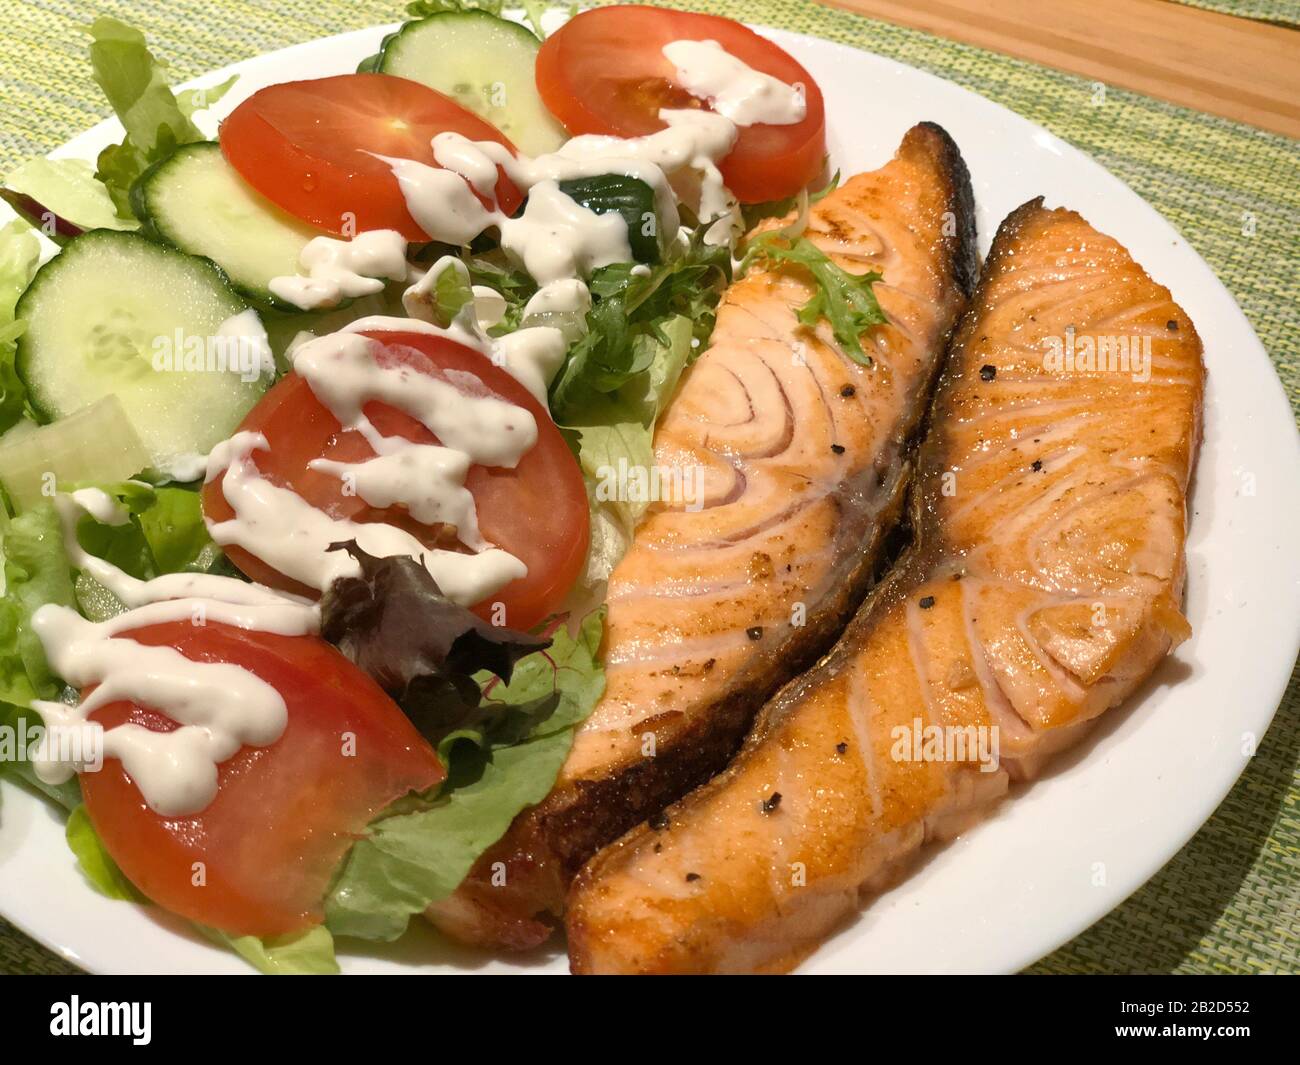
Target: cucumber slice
(197, 202)
(96, 445)
(482, 62)
(111, 307)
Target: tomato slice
(307, 147)
(536, 511)
(604, 71)
(284, 815)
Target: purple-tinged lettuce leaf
(394, 623)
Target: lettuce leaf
(170, 521)
(166, 534)
(452, 292)
(630, 305)
(514, 283)
(95, 863)
(36, 572)
(19, 253)
(156, 121)
(94, 444)
(308, 953)
(62, 197)
(393, 622)
(843, 299)
(17, 721)
(616, 432)
(533, 12)
(754, 213)
(425, 8)
(417, 856)
(645, 327)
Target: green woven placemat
(1284, 12)
(1230, 900)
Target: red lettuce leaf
(424, 650)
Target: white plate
(1075, 844)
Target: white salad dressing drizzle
(563, 305)
(559, 238)
(532, 355)
(98, 504)
(733, 88)
(219, 707)
(489, 306)
(247, 329)
(289, 534)
(556, 237)
(427, 479)
(132, 592)
(188, 466)
(343, 269)
(344, 375)
(440, 201)
(420, 300)
(566, 296)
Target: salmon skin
(801, 460)
(1043, 584)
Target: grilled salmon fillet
(1043, 584)
(803, 461)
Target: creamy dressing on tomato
(336, 270)
(221, 707)
(733, 88)
(345, 375)
(288, 533)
